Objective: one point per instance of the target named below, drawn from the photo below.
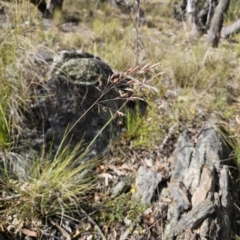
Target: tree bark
(54, 5)
(191, 13)
(1, 9)
(217, 22)
(206, 13)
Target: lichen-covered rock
(80, 68)
(78, 103)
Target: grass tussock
(54, 187)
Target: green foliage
(111, 41)
(233, 11)
(117, 209)
(57, 16)
(4, 129)
(134, 123)
(136, 209)
(198, 67)
(140, 131)
(237, 152)
(7, 53)
(108, 29)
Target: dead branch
(230, 30)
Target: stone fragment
(146, 183)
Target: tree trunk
(191, 13)
(1, 9)
(206, 13)
(47, 9)
(54, 5)
(217, 22)
(41, 5)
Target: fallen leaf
(29, 232)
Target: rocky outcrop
(202, 206)
(197, 200)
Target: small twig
(60, 203)
(94, 223)
(134, 81)
(63, 231)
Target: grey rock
(200, 188)
(183, 155)
(206, 185)
(45, 55)
(146, 183)
(225, 208)
(16, 164)
(121, 187)
(179, 193)
(195, 216)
